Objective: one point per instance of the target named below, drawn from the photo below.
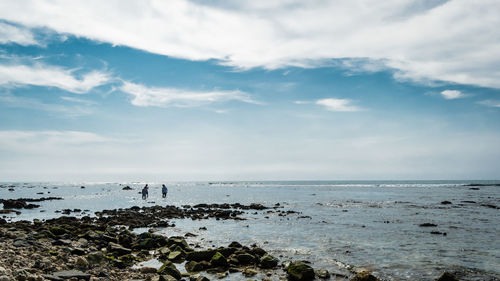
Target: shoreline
(105, 247)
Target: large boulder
(299, 271)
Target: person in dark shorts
(145, 192)
(164, 191)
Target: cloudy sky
(249, 90)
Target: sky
(150, 90)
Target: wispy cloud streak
(341, 105)
(167, 97)
(13, 75)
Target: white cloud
(50, 138)
(166, 97)
(343, 105)
(51, 76)
(432, 40)
(490, 103)
(77, 100)
(14, 34)
(452, 94)
(34, 104)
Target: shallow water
(363, 224)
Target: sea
(339, 225)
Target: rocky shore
(105, 247)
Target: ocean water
(341, 224)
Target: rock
(21, 243)
(222, 275)
(82, 186)
(200, 255)
(147, 269)
(67, 274)
(127, 188)
(218, 260)
(5, 278)
(268, 261)
(81, 262)
(181, 242)
(257, 251)
(446, 276)
(62, 242)
(323, 274)
(176, 256)
(445, 202)
(21, 274)
(364, 276)
(118, 249)
(286, 264)
(245, 258)
(169, 268)
(235, 244)
(96, 257)
(299, 271)
(57, 230)
(427, 224)
(193, 266)
(202, 278)
(248, 272)
(166, 277)
(78, 251)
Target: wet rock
(323, 274)
(21, 243)
(169, 268)
(176, 256)
(249, 272)
(198, 256)
(57, 230)
(118, 249)
(245, 258)
(202, 278)
(68, 274)
(427, 224)
(167, 277)
(193, 266)
(286, 264)
(299, 271)
(257, 251)
(446, 276)
(127, 188)
(96, 257)
(77, 251)
(445, 202)
(180, 241)
(218, 260)
(364, 276)
(235, 244)
(268, 261)
(82, 263)
(147, 269)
